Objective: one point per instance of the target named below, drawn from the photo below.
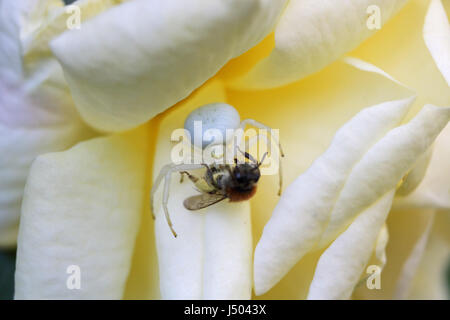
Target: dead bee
(221, 181)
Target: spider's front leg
(255, 139)
(166, 174)
(260, 125)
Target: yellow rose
(364, 185)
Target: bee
(236, 182)
(223, 181)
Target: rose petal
(212, 255)
(380, 247)
(10, 49)
(82, 207)
(416, 175)
(431, 277)
(327, 31)
(384, 165)
(406, 227)
(434, 189)
(139, 58)
(351, 175)
(27, 129)
(368, 67)
(36, 116)
(294, 229)
(378, 258)
(436, 33)
(400, 45)
(412, 263)
(36, 43)
(341, 265)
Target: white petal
(36, 116)
(412, 263)
(380, 247)
(82, 207)
(18, 19)
(39, 33)
(212, 256)
(416, 175)
(228, 252)
(405, 228)
(384, 165)
(378, 258)
(368, 67)
(10, 48)
(295, 228)
(313, 33)
(139, 58)
(341, 265)
(432, 273)
(358, 168)
(434, 189)
(436, 33)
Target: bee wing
(203, 200)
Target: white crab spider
(222, 117)
(219, 116)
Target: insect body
(236, 182)
(222, 181)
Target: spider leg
(263, 158)
(166, 200)
(166, 173)
(156, 184)
(260, 125)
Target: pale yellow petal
(141, 57)
(30, 125)
(406, 227)
(295, 228)
(82, 208)
(399, 49)
(432, 274)
(342, 263)
(436, 33)
(434, 190)
(378, 258)
(411, 264)
(352, 174)
(384, 165)
(36, 112)
(10, 48)
(143, 279)
(313, 33)
(380, 247)
(36, 43)
(368, 67)
(414, 177)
